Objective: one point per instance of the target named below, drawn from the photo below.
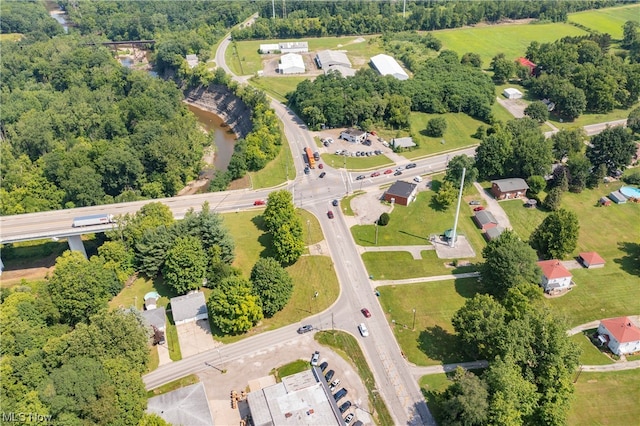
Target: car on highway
(398, 173)
(388, 172)
(361, 177)
(334, 203)
(417, 179)
(321, 166)
(315, 358)
(340, 394)
(363, 329)
(479, 208)
(348, 419)
(365, 312)
(334, 385)
(324, 366)
(323, 174)
(305, 329)
(329, 375)
(330, 214)
(474, 203)
(399, 168)
(344, 407)
(259, 203)
(411, 166)
(375, 174)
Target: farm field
(512, 40)
(609, 20)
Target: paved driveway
(494, 207)
(195, 337)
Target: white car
(329, 140)
(363, 329)
(315, 358)
(417, 179)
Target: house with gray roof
(403, 142)
(506, 189)
(156, 318)
(188, 308)
(401, 193)
(187, 406)
(485, 220)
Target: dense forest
(318, 19)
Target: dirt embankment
(221, 101)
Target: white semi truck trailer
(94, 219)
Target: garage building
(188, 308)
(327, 58)
(511, 93)
(401, 192)
(291, 64)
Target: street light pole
(376, 224)
(414, 320)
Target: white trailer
(94, 219)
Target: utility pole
(376, 224)
(404, 9)
(452, 242)
(273, 7)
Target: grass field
(609, 398)
(591, 355)
(586, 119)
(10, 37)
(609, 20)
(399, 265)
(278, 87)
(356, 163)
(277, 171)
(347, 347)
(433, 341)
(289, 369)
(523, 220)
(176, 384)
(512, 40)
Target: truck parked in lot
(94, 219)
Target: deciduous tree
(454, 171)
(553, 199)
(567, 142)
(481, 323)
(538, 111)
(557, 235)
(436, 127)
(633, 121)
(232, 307)
(614, 147)
(185, 265)
(446, 195)
(465, 402)
(272, 284)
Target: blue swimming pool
(630, 191)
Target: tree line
(295, 19)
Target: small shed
(448, 235)
(401, 192)
(493, 233)
(591, 260)
(604, 201)
(511, 93)
(403, 142)
(617, 197)
(485, 220)
(524, 62)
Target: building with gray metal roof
(386, 65)
(327, 58)
(187, 406)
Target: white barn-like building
(291, 64)
(327, 58)
(511, 93)
(294, 47)
(386, 65)
(269, 48)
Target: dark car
(323, 174)
(330, 214)
(307, 170)
(320, 166)
(411, 166)
(334, 203)
(305, 329)
(365, 312)
(340, 394)
(344, 407)
(329, 376)
(324, 366)
(360, 177)
(398, 173)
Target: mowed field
(609, 20)
(512, 40)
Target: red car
(320, 166)
(365, 312)
(259, 203)
(389, 171)
(374, 174)
(373, 133)
(330, 214)
(477, 209)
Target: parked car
(321, 166)
(360, 177)
(315, 358)
(325, 143)
(474, 203)
(334, 385)
(329, 140)
(307, 170)
(477, 209)
(411, 166)
(305, 329)
(375, 174)
(363, 329)
(329, 375)
(323, 174)
(373, 133)
(365, 312)
(340, 394)
(344, 407)
(398, 173)
(259, 203)
(330, 214)
(324, 366)
(417, 179)
(348, 419)
(388, 171)
(334, 203)
(338, 152)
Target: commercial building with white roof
(291, 64)
(386, 65)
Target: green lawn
(460, 127)
(586, 119)
(523, 220)
(312, 231)
(289, 369)
(432, 385)
(500, 113)
(277, 171)
(356, 163)
(433, 341)
(10, 37)
(176, 384)
(609, 398)
(278, 87)
(347, 347)
(609, 20)
(345, 203)
(399, 265)
(591, 355)
(512, 40)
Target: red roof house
(555, 276)
(591, 259)
(623, 335)
(526, 63)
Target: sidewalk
(416, 251)
(428, 279)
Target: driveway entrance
(195, 337)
